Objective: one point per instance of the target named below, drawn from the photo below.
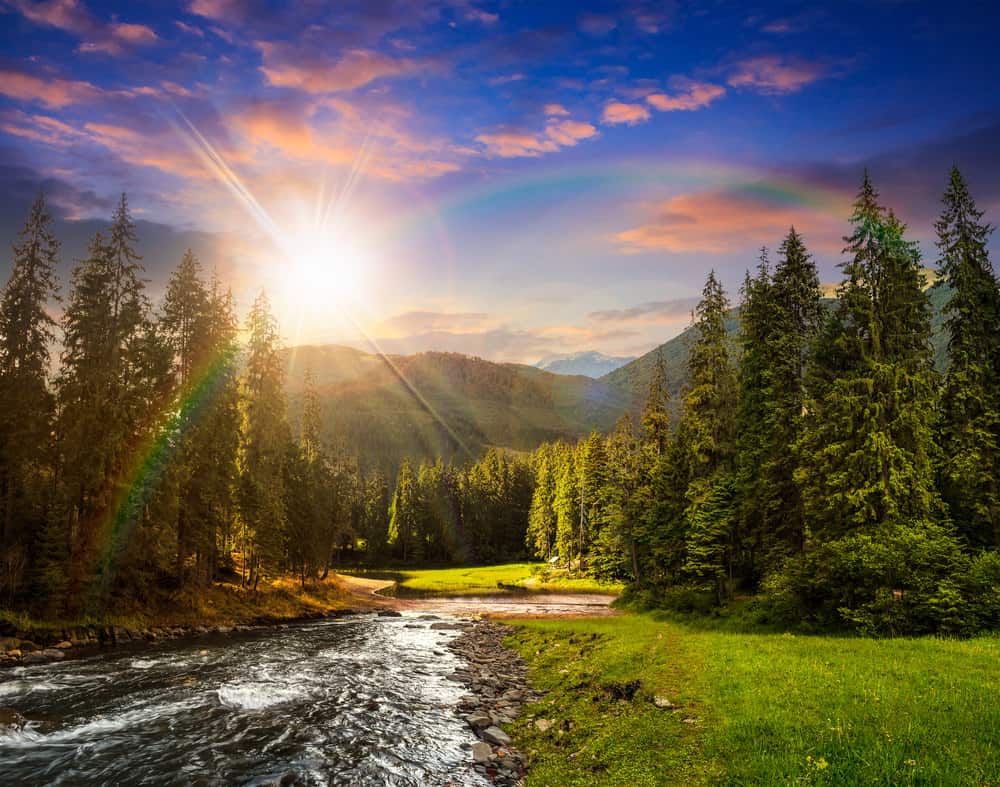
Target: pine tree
(567, 506)
(865, 454)
(541, 532)
(264, 443)
(110, 390)
(26, 403)
(798, 315)
(754, 414)
(969, 430)
(403, 514)
(614, 551)
(656, 413)
(707, 433)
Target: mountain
(588, 363)
(385, 408)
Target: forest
(819, 463)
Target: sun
(324, 269)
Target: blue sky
(506, 179)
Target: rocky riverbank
(496, 678)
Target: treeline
(156, 452)
(822, 462)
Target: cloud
(731, 220)
(483, 17)
(616, 112)
(596, 24)
(53, 92)
(556, 110)
(73, 17)
(675, 310)
(771, 74)
(689, 95)
(515, 143)
(286, 66)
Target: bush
(901, 579)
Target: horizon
(491, 179)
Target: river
(364, 700)
(357, 701)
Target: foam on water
(256, 696)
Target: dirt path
(507, 605)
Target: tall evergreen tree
(969, 431)
(656, 413)
(264, 442)
(26, 402)
(866, 450)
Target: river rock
(543, 725)
(496, 735)
(481, 752)
(478, 720)
(14, 653)
(444, 626)
(64, 645)
(389, 613)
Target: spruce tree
(865, 454)
(540, 535)
(656, 413)
(797, 317)
(264, 443)
(753, 414)
(26, 402)
(969, 429)
(708, 436)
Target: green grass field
(483, 580)
(756, 708)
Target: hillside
(588, 363)
(451, 405)
(444, 404)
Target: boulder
(543, 725)
(64, 645)
(496, 735)
(663, 702)
(481, 752)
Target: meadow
(489, 580)
(645, 700)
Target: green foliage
(969, 430)
(901, 579)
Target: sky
(505, 179)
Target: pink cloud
(690, 96)
(52, 92)
(616, 112)
(554, 110)
(727, 220)
(73, 17)
(516, 143)
(772, 74)
(287, 67)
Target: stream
(363, 700)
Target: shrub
(901, 579)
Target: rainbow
(151, 458)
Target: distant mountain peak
(588, 363)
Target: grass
(489, 580)
(754, 708)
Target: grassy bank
(756, 708)
(487, 580)
(222, 604)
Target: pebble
(495, 676)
